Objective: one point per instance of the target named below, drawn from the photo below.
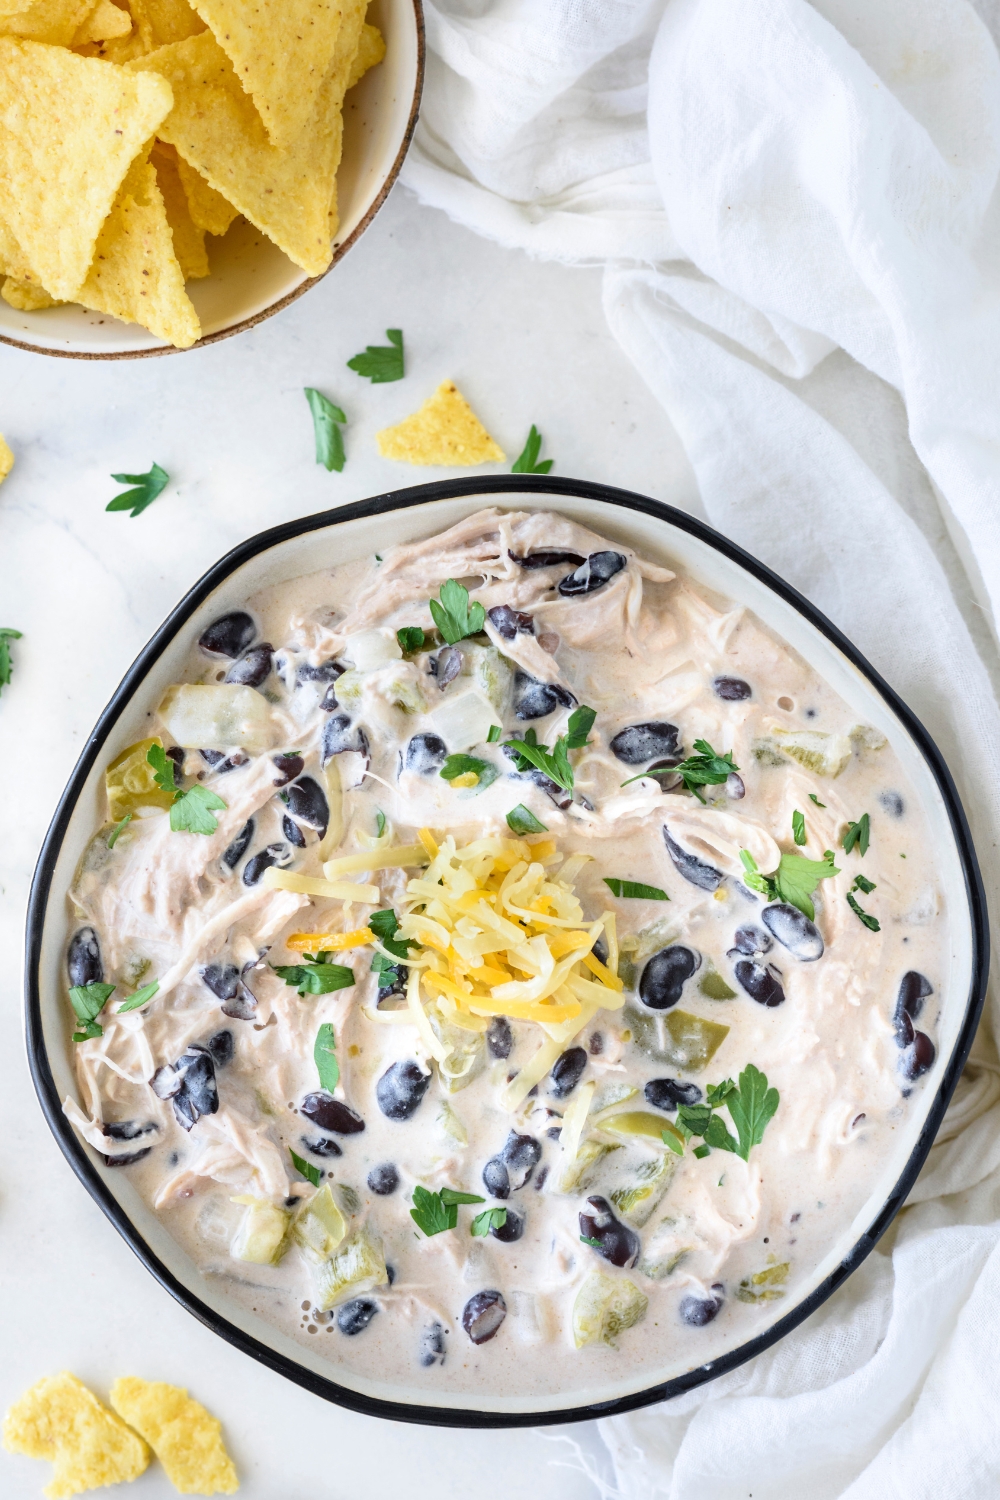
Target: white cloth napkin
(801, 178)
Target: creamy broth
(629, 1241)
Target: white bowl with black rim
(661, 534)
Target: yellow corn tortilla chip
(208, 209)
(69, 128)
(164, 21)
(184, 1436)
(135, 275)
(6, 459)
(281, 51)
(59, 1419)
(24, 296)
(189, 240)
(105, 21)
(286, 193)
(371, 50)
(444, 431)
(53, 21)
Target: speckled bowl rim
(299, 291)
(76, 1154)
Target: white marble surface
(526, 343)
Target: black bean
(596, 1044)
(390, 1274)
(127, 1130)
(496, 1178)
(293, 833)
(307, 803)
(697, 1311)
(340, 735)
(126, 1158)
(384, 1179)
(425, 754)
(534, 699)
(913, 991)
(482, 1315)
(189, 1084)
(600, 950)
(176, 754)
(508, 622)
(446, 665)
(499, 1037)
(401, 1089)
(240, 845)
(327, 671)
(567, 1071)
(705, 876)
(732, 689)
(592, 574)
(892, 803)
(84, 958)
(735, 786)
(794, 931)
(243, 1005)
(222, 1047)
(759, 983)
(639, 743)
(904, 1029)
(254, 667)
(665, 975)
(353, 1317)
(918, 1057)
(287, 767)
(667, 1093)
(510, 1230)
(258, 863)
(220, 762)
(615, 1241)
(521, 1155)
(321, 1145)
(331, 1114)
(545, 558)
(222, 979)
(752, 940)
(229, 635)
(432, 1349)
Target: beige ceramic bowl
(251, 278)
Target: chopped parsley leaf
(862, 883)
(490, 1218)
(193, 810)
(315, 977)
(521, 819)
(454, 616)
(673, 1140)
(379, 822)
(813, 798)
(147, 487)
(384, 925)
(452, 1195)
(581, 722)
(7, 634)
(381, 363)
(751, 1104)
(586, 1240)
(702, 1151)
(527, 460)
(794, 880)
(327, 422)
(325, 1057)
(139, 998)
(872, 923)
(705, 768)
(798, 827)
(461, 765)
(634, 890)
(410, 638)
(494, 734)
(554, 764)
(857, 833)
(113, 835)
(88, 1000)
(307, 1169)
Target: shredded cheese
(311, 885)
(329, 942)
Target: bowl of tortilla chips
(172, 173)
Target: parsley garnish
(113, 835)
(436, 1212)
(7, 634)
(673, 1139)
(586, 1240)
(581, 722)
(88, 1000)
(793, 881)
(307, 1169)
(813, 798)
(460, 765)
(455, 617)
(527, 460)
(867, 886)
(751, 1105)
(327, 422)
(555, 764)
(316, 976)
(702, 1151)
(147, 487)
(798, 827)
(494, 734)
(857, 833)
(634, 890)
(192, 811)
(490, 1218)
(325, 1057)
(384, 925)
(139, 998)
(379, 822)
(705, 769)
(410, 638)
(521, 819)
(381, 363)
(862, 883)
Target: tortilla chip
(25, 297)
(69, 128)
(61, 1420)
(184, 1436)
(135, 275)
(105, 21)
(189, 240)
(53, 21)
(445, 431)
(281, 51)
(216, 129)
(208, 209)
(6, 459)
(371, 50)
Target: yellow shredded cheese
(312, 885)
(376, 859)
(329, 942)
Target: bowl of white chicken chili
(502, 956)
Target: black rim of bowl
(82, 1163)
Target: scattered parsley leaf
(327, 421)
(718, 1136)
(460, 765)
(139, 998)
(88, 1000)
(147, 487)
(798, 827)
(753, 878)
(634, 890)
(653, 771)
(410, 638)
(797, 878)
(325, 1057)
(554, 764)
(716, 1093)
(381, 363)
(379, 822)
(527, 460)
(705, 768)
(692, 1119)
(164, 769)
(813, 798)
(490, 1218)
(862, 883)
(452, 1195)
(307, 1169)
(521, 819)
(857, 833)
(113, 835)
(7, 634)
(317, 977)
(872, 923)
(494, 734)
(672, 1140)
(751, 1106)
(586, 1240)
(193, 811)
(430, 1212)
(702, 1151)
(454, 616)
(581, 722)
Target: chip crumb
(24, 296)
(6, 459)
(445, 431)
(184, 1436)
(61, 1420)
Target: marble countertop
(526, 342)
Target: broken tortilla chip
(371, 50)
(281, 51)
(189, 240)
(24, 296)
(59, 1419)
(69, 128)
(184, 1436)
(6, 459)
(208, 209)
(164, 21)
(105, 21)
(136, 275)
(445, 431)
(52, 21)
